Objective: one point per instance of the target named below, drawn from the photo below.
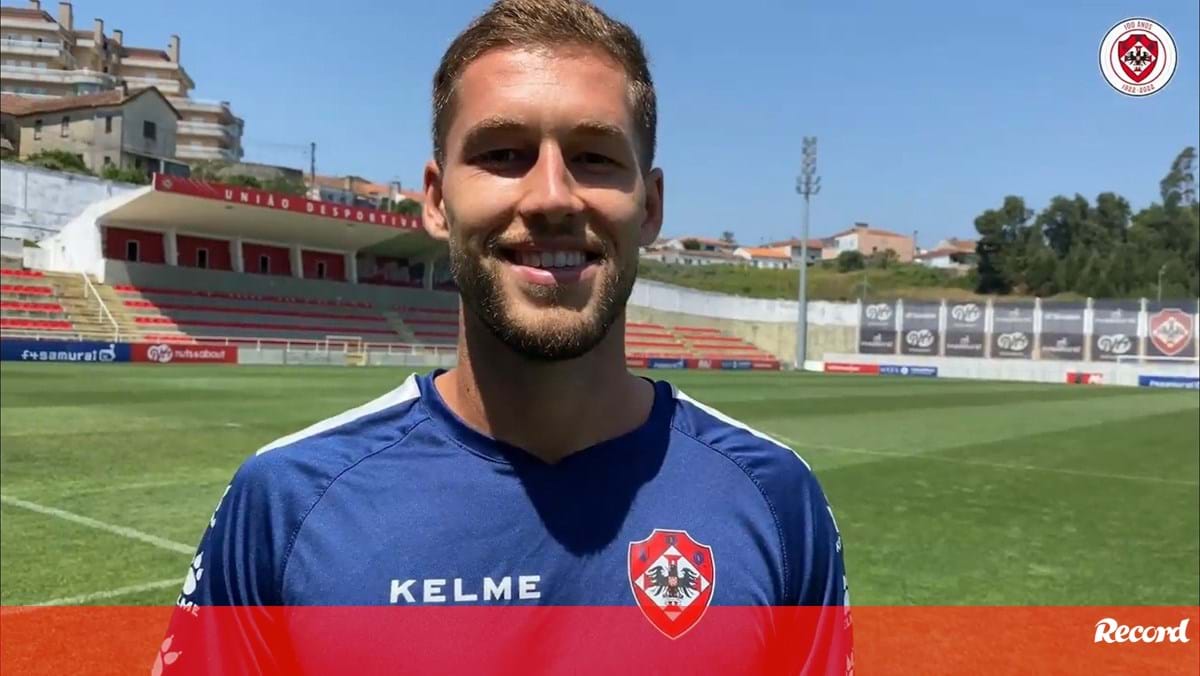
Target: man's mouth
(547, 265)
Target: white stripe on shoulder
(736, 423)
(406, 392)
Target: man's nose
(550, 194)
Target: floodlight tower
(808, 184)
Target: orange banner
(887, 640)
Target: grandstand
(185, 262)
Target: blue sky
(927, 113)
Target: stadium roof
(222, 211)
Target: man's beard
(480, 287)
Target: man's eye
(595, 159)
(500, 156)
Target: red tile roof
(812, 243)
(863, 227)
(766, 252)
(21, 106)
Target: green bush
(59, 160)
(848, 261)
(125, 174)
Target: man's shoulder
(325, 449)
(765, 458)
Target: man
(538, 474)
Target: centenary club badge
(1137, 57)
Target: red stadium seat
(36, 324)
(27, 274)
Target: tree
(59, 160)
(209, 170)
(240, 180)
(1063, 223)
(285, 184)
(407, 207)
(848, 261)
(1040, 268)
(691, 245)
(1178, 187)
(727, 237)
(1111, 215)
(1100, 249)
(1000, 231)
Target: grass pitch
(946, 492)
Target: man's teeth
(551, 259)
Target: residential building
(696, 243)
(358, 191)
(680, 256)
(868, 241)
(773, 258)
(44, 56)
(814, 250)
(115, 127)
(950, 254)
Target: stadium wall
(270, 356)
(769, 324)
(36, 203)
(1109, 373)
(775, 337)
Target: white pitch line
(123, 531)
(84, 599)
(984, 463)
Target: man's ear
(433, 210)
(652, 225)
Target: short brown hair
(547, 23)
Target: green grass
(824, 283)
(947, 492)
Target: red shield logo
(1171, 331)
(672, 578)
(1137, 54)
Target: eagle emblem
(672, 577)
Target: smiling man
(539, 472)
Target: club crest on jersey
(672, 578)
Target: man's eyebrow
(499, 123)
(598, 128)
(488, 125)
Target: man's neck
(549, 409)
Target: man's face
(542, 198)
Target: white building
(772, 258)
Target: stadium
(945, 469)
(1012, 472)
